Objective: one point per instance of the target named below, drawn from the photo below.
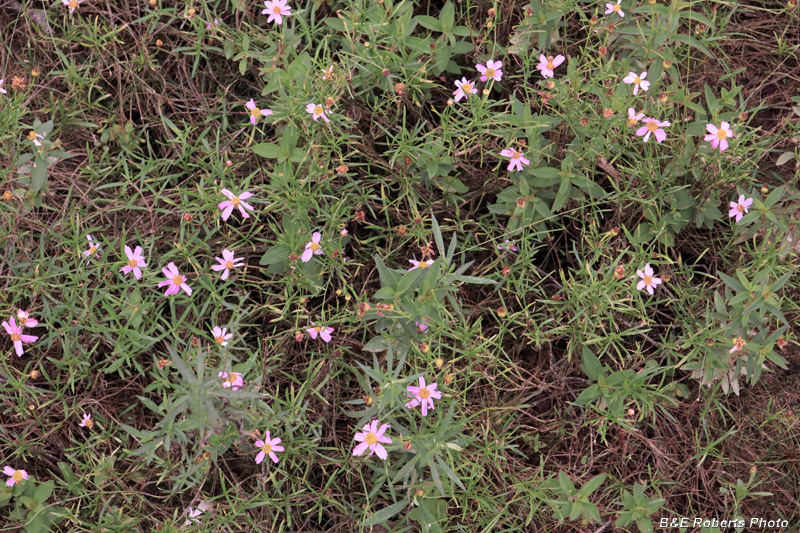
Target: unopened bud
(34, 374)
(666, 63)
(764, 190)
(501, 312)
(377, 390)
(439, 363)
(424, 347)
(35, 72)
(367, 399)
(407, 445)
(385, 72)
(419, 493)
(550, 84)
(521, 203)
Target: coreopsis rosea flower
(255, 112)
(235, 202)
(648, 281)
(192, 514)
(421, 325)
(175, 280)
(719, 136)
(226, 263)
(464, 88)
(323, 331)
(637, 81)
(93, 247)
(653, 126)
(312, 248)
(71, 4)
(327, 74)
(614, 8)
(419, 264)
(221, 336)
(232, 380)
(740, 207)
(86, 421)
(14, 476)
(507, 245)
(490, 71)
(276, 10)
(423, 395)
(317, 111)
(738, 344)
(268, 446)
(548, 64)
(634, 117)
(35, 138)
(373, 438)
(25, 319)
(135, 262)
(518, 160)
(17, 338)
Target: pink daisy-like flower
(424, 394)
(374, 438)
(71, 4)
(15, 476)
(738, 344)
(317, 111)
(15, 332)
(653, 126)
(268, 447)
(548, 64)
(86, 421)
(490, 71)
(135, 262)
(740, 207)
(25, 319)
(232, 380)
(421, 325)
(327, 74)
(648, 279)
(175, 281)
(192, 514)
(35, 137)
(633, 117)
(3, 91)
(419, 264)
(719, 136)
(464, 89)
(226, 263)
(507, 245)
(518, 160)
(614, 8)
(637, 81)
(93, 247)
(312, 248)
(235, 202)
(221, 336)
(323, 331)
(276, 11)
(255, 112)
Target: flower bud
(407, 445)
(501, 312)
(666, 63)
(764, 190)
(35, 72)
(385, 72)
(367, 399)
(439, 363)
(521, 203)
(34, 374)
(377, 390)
(424, 347)
(550, 84)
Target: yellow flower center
(92, 249)
(235, 201)
(133, 263)
(489, 72)
(648, 280)
(318, 329)
(632, 122)
(739, 342)
(232, 379)
(652, 126)
(267, 447)
(276, 10)
(318, 109)
(314, 246)
(550, 65)
(219, 340)
(229, 264)
(17, 476)
(637, 80)
(32, 136)
(89, 423)
(424, 393)
(423, 264)
(722, 134)
(467, 87)
(516, 155)
(256, 112)
(740, 207)
(15, 337)
(178, 280)
(371, 439)
(617, 8)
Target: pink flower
(740, 207)
(419, 264)
(517, 159)
(226, 263)
(71, 4)
(135, 262)
(175, 281)
(648, 280)
(653, 126)
(235, 202)
(268, 447)
(327, 74)
(614, 8)
(17, 337)
(637, 81)
(276, 10)
(424, 394)
(373, 438)
(255, 112)
(25, 319)
(548, 64)
(491, 70)
(312, 248)
(323, 332)
(220, 336)
(508, 245)
(719, 136)
(317, 111)
(86, 421)
(738, 344)
(192, 514)
(421, 325)
(15, 476)
(233, 380)
(464, 89)
(3, 91)
(92, 248)
(633, 117)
